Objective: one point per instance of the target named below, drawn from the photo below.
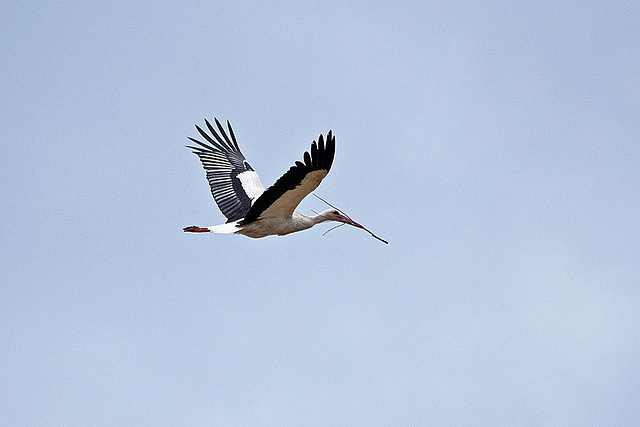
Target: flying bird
(250, 209)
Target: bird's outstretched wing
(282, 198)
(234, 184)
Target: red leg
(196, 229)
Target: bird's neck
(308, 221)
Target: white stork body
(250, 209)
(269, 226)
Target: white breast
(280, 226)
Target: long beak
(349, 221)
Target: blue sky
(495, 146)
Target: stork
(250, 209)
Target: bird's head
(335, 215)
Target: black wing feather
(223, 161)
(321, 158)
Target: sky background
(494, 145)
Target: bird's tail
(228, 228)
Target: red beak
(349, 221)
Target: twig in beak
(375, 237)
(333, 228)
(339, 210)
(348, 217)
